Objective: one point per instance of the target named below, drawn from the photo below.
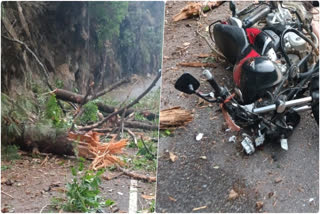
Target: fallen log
(174, 117)
(69, 96)
(140, 125)
(195, 9)
(82, 99)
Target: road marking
(133, 197)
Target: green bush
(54, 112)
(90, 113)
(147, 149)
(82, 193)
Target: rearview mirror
(187, 84)
(232, 7)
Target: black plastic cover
(274, 37)
(263, 43)
(258, 75)
(232, 41)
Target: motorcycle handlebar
(251, 20)
(212, 82)
(287, 104)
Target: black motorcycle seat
(231, 40)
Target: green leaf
(109, 202)
(81, 159)
(74, 171)
(81, 166)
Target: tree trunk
(46, 139)
(78, 98)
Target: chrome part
(249, 107)
(207, 74)
(248, 146)
(281, 17)
(259, 140)
(294, 42)
(284, 144)
(281, 107)
(290, 103)
(302, 108)
(239, 93)
(271, 54)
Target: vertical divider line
(133, 197)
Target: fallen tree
(47, 139)
(36, 135)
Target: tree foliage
(107, 17)
(141, 37)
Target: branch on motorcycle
(275, 70)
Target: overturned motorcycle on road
(275, 71)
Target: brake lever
(204, 96)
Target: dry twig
(137, 176)
(7, 194)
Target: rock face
(64, 37)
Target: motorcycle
(275, 71)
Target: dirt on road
(29, 185)
(207, 171)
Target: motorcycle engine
(277, 21)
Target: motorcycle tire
(314, 92)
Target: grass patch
(10, 153)
(5, 167)
(142, 163)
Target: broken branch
(86, 128)
(132, 135)
(140, 125)
(137, 176)
(197, 64)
